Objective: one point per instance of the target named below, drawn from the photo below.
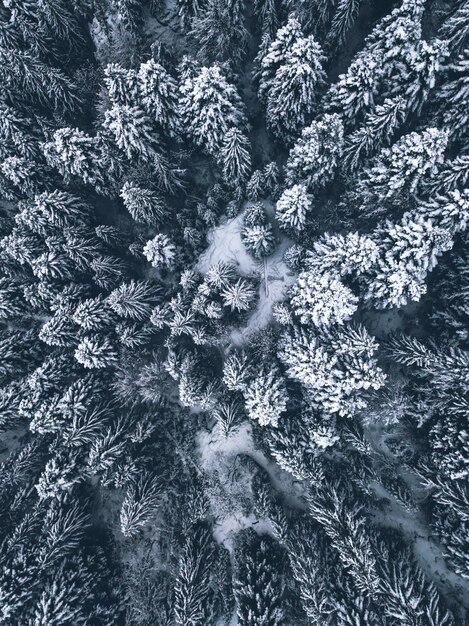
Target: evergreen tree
(315, 156)
(293, 92)
(193, 592)
(293, 206)
(141, 501)
(210, 106)
(160, 251)
(134, 300)
(158, 96)
(266, 397)
(235, 157)
(219, 30)
(322, 299)
(258, 586)
(377, 131)
(336, 367)
(144, 205)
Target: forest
(234, 305)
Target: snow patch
(225, 245)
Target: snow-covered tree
(219, 30)
(322, 299)
(74, 153)
(378, 129)
(259, 240)
(210, 106)
(239, 296)
(266, 396)
(95, 352)
(410, 249)
(132, 132)
(258, 586)
(342, 254)
(336, 367)
(158, 95)
(144, 205)
(401, 170)
(142, 499)
(134, 300)
(193, 591)
(293, 92)
(274, 55)
(315, 156)
(121, 85)
(235, 157)
(160, 251)
(236, 371)
(293, 206)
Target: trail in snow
(221, 459)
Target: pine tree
(121, 85)
(378, 129)
(144, 205)
(454, 28)
(259, 240)
(96, 352)
(342, 254)
(74, 153)
(238, 296)
(235, 157)
(134, 300)
(274, 55)
(336, 367)
(293, 90)
(210, 106)
(219, 30)
(400, 171)
(293, 206)
(193, 593)
(258, 586)
(132, 132)
(322, 299)
(344, 18)
(28, 76)
(141, 500)
(266, 397)
(315, 156)
(158, 96)
(160, 251)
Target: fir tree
(160, 251)
(266, 397)
(235, 157)
(293, 206)
(258, 586)
(210, 106)
(314, 157)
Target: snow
(225, 245)
(412, 525)
(219, 459)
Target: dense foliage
(233, 313)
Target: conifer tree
(293, 206)
(266, 397)
(314, 157)
(210, 106)
(258, 586)
(193, 592)
(219, 30)
(235, 157)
